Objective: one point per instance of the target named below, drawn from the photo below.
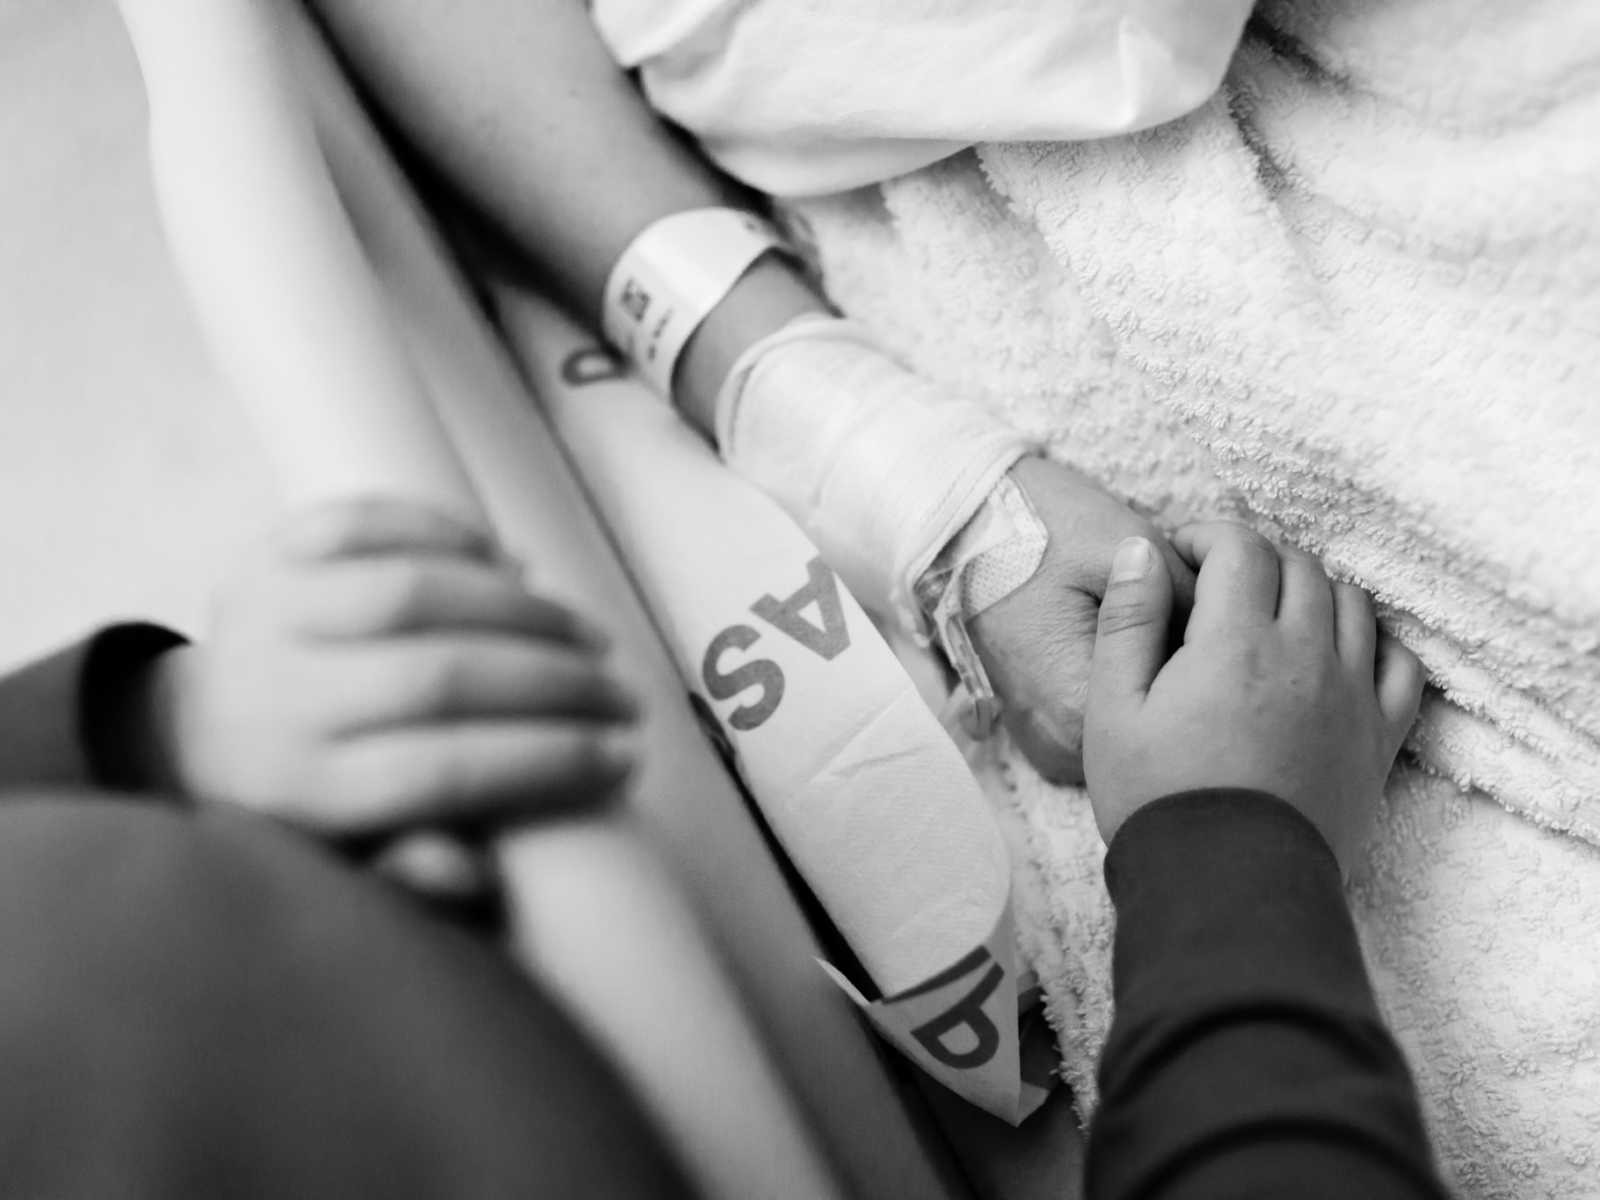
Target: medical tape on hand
(993, 555)
(880, 467)
(670, 278)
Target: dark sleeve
(1247, 1057)
(62, 717)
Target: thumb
(1131, 643)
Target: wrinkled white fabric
(801, 97)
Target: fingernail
(1132, 560)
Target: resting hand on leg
(377, 669)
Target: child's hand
(1037, 643)
(1282, 685)
(377, 669)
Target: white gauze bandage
(997, 552)
(670, 278)
(880, 467)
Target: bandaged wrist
(670, 278)
(879, 467)
(993, 555)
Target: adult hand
(377, 669)
(1038, 642)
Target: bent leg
(210, 1006)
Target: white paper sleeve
(869, 798)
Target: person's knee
(335, 1017)
(75, 865)
(68, 856)
(99, 895)
(110, 907)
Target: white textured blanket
(1355, 300)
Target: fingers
(1238, 575)
(1305, 598)
(466, 775)
(1037, 645)
(1399, 680)
(1181, 574)
(1355, 628)
(371, 598)
(410, 681)
(1045, 698)
(1131, 643)
(431, 861)
(452, 876)
(379, 525)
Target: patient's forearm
(520, 106)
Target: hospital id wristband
(670, 278)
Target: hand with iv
(939, 514)
(565, 161)
(1037, 643)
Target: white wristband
(880, 467)
(670, 278)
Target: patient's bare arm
(1037, 642)
(520, 106)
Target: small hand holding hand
(1283, 685)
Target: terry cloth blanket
(1355, 300)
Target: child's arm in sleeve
(1248, 1056)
